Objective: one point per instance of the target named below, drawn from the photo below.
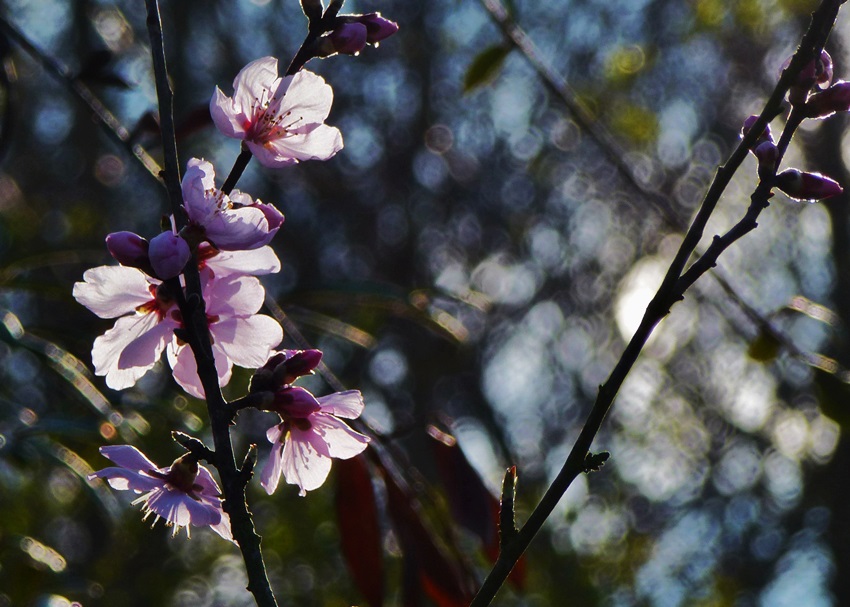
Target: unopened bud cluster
(812, 95)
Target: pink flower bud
(284, 368)
(348, 38)
(765, 135)
(807, 186)
(834, 99)
(128, 249)
(766, 153)
(377, 27)
(168, 255)
(818, 72)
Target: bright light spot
(504, 282)
(738, 469)
(388, 367)
(824, 438)
(45, 555)
(791, 433)
(783, 478)
(635, 292)
(752, 403)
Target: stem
(237, 170)
(193, 309)
(671, 290)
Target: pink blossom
(239, 335)
(147, 316)
(281, 120)
(309, 435)
(230, 222)
(834, 99)
(183, 494)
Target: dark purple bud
(807, 186)
(765, 135)
(298, 363)
(348, 38)
(377, 27)
(818, 72)
(834, 99)
(294, 403)
(766, 153)
(168, 255)
(127, 248)
(284, 368)
(130, 250)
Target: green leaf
(485, 67)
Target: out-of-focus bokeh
(473, 261)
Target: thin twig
(672, 290)
(117, 131)
(609, 146)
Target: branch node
(594, 463)
(194, 446)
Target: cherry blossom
(281, 120)
(183, 494)
(309, 435)
(148, 316)
(230, 222)
(239, 335)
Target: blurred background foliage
(473, 261)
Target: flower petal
(255, 81)
(128, 457)
(348, 404)
(234, 296)
(319, 143)
(123, 479)
(247, 341)
(256, 262)
(185, 371)
(306, 461)
(226, 117)
(130, 349)
(271, 471)
(342, 442)
(308, 99)
(112, 291)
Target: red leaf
(428, 570)
(360, 534)
(471, 504)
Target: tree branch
(671, 290)
(193, 309)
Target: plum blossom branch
(233, 481)
(671, 290)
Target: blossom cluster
(226, 236)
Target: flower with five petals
(280, 120)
